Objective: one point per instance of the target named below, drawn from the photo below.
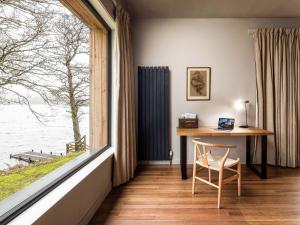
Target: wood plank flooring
(158, 196)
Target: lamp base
(244, 126)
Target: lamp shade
(238, 105)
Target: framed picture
(198, 83)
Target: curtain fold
(125, 153)
(277, 60)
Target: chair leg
(194, 178)
(239, 178)
(220, 187)
(209, 175)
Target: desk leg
(248, 151)
(264, 150)
(183, 144)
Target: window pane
(45, 91)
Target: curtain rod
(252, 30)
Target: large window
(54, 96)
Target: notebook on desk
(225, 124)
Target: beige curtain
(125, 154)
(277, 59)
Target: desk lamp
(239, 105)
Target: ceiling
(212, 8)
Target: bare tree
(43, 52)
(23, 25)
(69, 61)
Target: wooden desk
(237, 132)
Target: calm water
(20, 131)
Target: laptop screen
(226, 123)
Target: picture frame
(198, 83)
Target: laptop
(226, 124)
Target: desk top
(211, 131)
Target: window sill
(33, 213)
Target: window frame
(21, 205)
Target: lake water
(20, 131)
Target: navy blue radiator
(153, 113)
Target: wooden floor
(158, 196)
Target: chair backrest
(196, 141)
(203, 153)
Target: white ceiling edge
(99, 7)
(192, 9)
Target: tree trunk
(73, 107)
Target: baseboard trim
(165, 162)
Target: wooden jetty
(33, 157)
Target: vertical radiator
(153, 113)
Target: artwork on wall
(198, 83)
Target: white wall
(222, 44)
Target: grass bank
(14, 180)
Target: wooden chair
(204, 158)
